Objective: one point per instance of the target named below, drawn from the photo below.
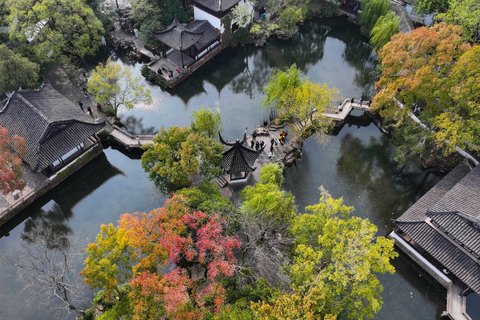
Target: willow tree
(385, 27)
(207, 122)
(372, 10)
(300, 100)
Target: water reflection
(135, 124)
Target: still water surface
(356, 163)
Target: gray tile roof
(218, 5)
(210, 33)
(463, 197)
(177, 36)
(50, 124)
(442, 250)
(459, 227)
(417, 211)
(238, 157)
(445, 223)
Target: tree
(11, 151)
(16, 71)
(299, 99)
(177, 153)
(431, 6)
(340, 254)
(372, 10)
(47, 269)
(465, 13)
(416, 68)
(207, 122)
(299, 305)
(60, 27)
(265, 201)
(108, 261)
(114, 85)
(177, 259)
(385, 27)
(459, 124)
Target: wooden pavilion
(238, 159)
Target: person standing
(80, 103)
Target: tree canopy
(177, 153)
(16, 71)
(177, 257)
(11, 150)
(416, 71)
(465, 13)
(207, 122)
(383, 30)
(61, 28)
(114, 85)
(339, 254)
(296, 98)
(372, 10)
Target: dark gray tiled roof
(418, 210)
(179, 37)
(210, 33)
(238, 157)
(50, 124)
(218, 5)
(446, 253)
(463, 197)
(460, 228)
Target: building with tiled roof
(192, 39)
(444, 226)
(55, 130)
(238, 159)
(215, 12)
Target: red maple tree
(11, 149)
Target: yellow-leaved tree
(114, 85)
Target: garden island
(158, 201)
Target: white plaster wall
(250, 9)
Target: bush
(110, 112)
(241, 37)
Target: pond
(356, 163)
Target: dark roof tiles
(218, 5)
(50, 124)
(238, 157)
(442, 250)
(198, 33)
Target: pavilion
(187, 43)
(238, 159)
(55, 130)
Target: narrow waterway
(356, 163)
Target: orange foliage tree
(177, 256)
(417, 67)
(11, 150)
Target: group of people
(257, 145)
(283, 137)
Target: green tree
(265, 200)
(207, 122)
(339, 254)
(296, 98)
(465, 13)
(115, 86)
(16, 71)
(108, 261)
(460, 123)
(385, 27)
(60, 27)
(176, 153)
(431, 6)
(372, 10)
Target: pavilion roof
(50, 124)
(180, 37)
(238, 157)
